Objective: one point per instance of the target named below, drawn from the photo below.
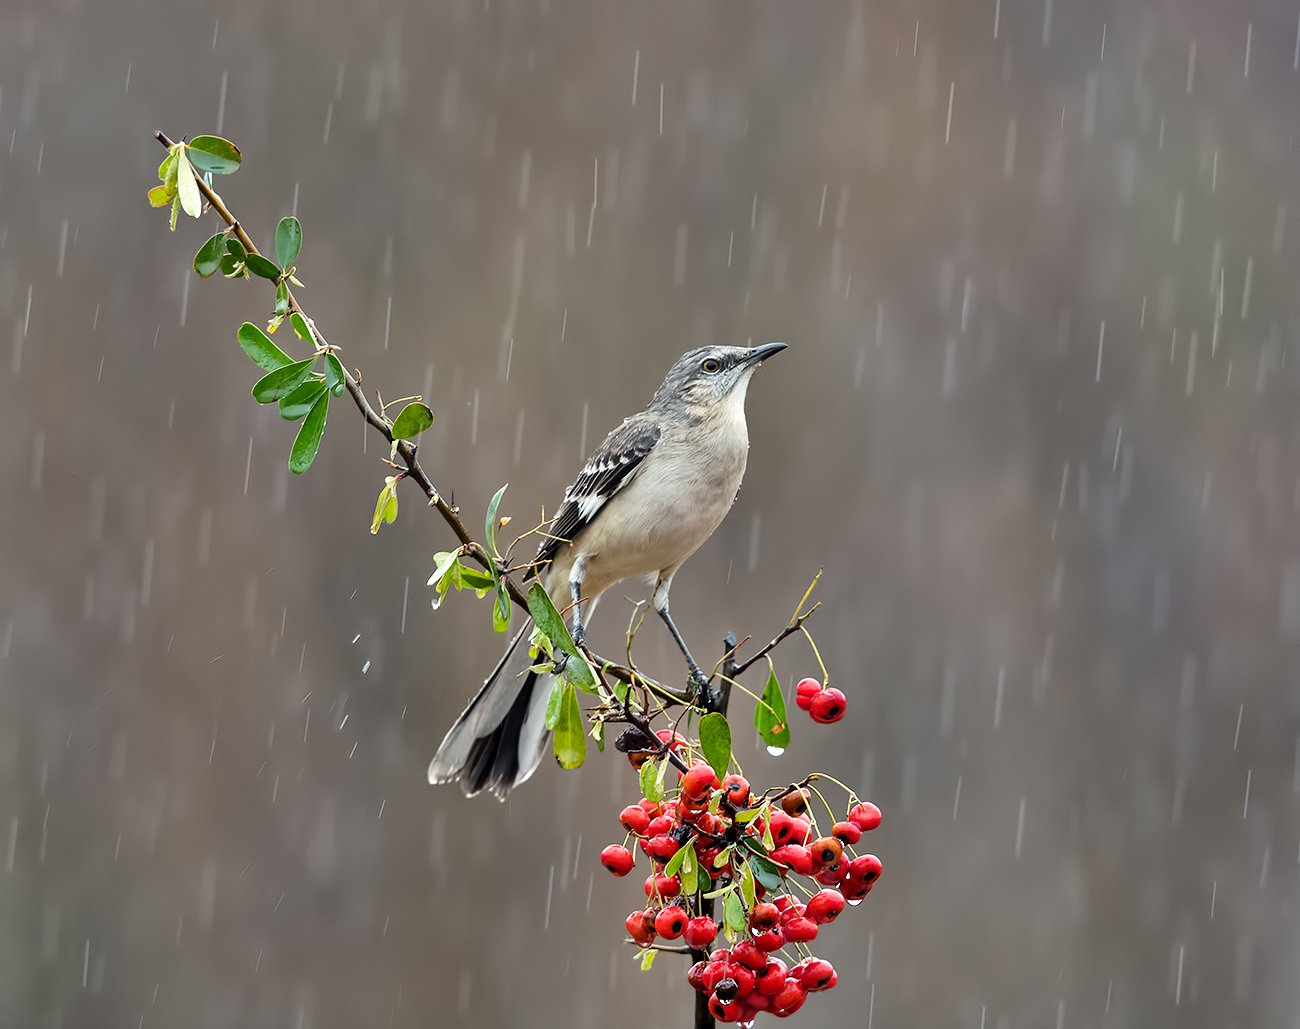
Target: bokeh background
(1036, 263)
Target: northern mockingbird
(644, 502)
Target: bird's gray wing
(611, 466)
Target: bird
(645, 500)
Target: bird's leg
(660, 601)
(576, 574)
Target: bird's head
(707, 376)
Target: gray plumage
(646, 499)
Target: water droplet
(854, 903)
(776, 751)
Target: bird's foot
(699, 683)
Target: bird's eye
(711, 365)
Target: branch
(796, 623)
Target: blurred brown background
(1036, 263)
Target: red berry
(825, 906)
(665, 886)
(795, 802)
(815, 974)
(827, 851)
(690, 812)
(865, 816)
(773, 939)
(670, 922)
(828, 706)
(865, 868)
(797, 857)
(846, 832)
(790, 999)
(800, 930)
(735, 789)
(695, 976)
(782, 826)
(854, 889)
(795, 910)
(699, 782)
(800, 831)
(745, 953)
(763, 916)
(832, 875)
(804, 692)
(659, 825)
(665, 735)
(635, 818)
(641, 927)
(725, 1010)
(662, 847)
(617, 859)
(700, 932)
(772, 979)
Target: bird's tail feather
(499, 739)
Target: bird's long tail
(499, 739)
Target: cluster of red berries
(825, 704)
(716, 837)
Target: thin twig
(795, 625)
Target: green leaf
(675, 862)
(214, 154)
(235, 248)
(749, 814)
(445, 566)
(598, 734)
(260, 266)
(296, 404)
(474, 578)
(554, 701)
(187, 187)
(385, 506)
(288, 241)
(549, 621)
(281, 300)
(770, 715)
(690, 874)
(308, 440)
(647, 959)
(502, 609)
(301, 327)
(747, 890)
(570, 739)
(490, 520)
(260, 350)
(733, 915)
(167, 170)
(334, 377)
(208, 259)
(161, 196)
(175, 212)
(715, 741)
(414, 419)
(282, 381)
(232, 267)
(651, 788)
(766, 872)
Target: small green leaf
(167, 170)
(288, 241)
(235, 248)
(549, 621)
(554, 701)
(733, 913)
(675, 862)
(445, 566)
(208, 259)
(281, 300)
(414, 419)
(570, 739)
(749, 814)
(715, 741)
(161, 196)
(281, 382)
(232, 267)
(260, 350)
(175, 213)
(647, 958)
(214, 154)
(598, 734)
(296, 404)
(770, 715)
(385, 506)
(651, 788)
(490, 520)
(308, 440)
(747, 890)
(334, 377)
(502, 609)
(766, 872)
(260, 266)
(690, 874)
(301, 327)
(187, 187)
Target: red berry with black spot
(790, 999)
(772, 979)
(846, 832)
(773, 939)
(745, 953)
(866, 816)
(617, 859)
(825, 906)
(865, 868)
(800, 930)
(700, 932)
(662, 847)
(804, 692)
(699, 782)
(634, 819)
(641, 927)
(797, 857)
(735, 790)
(828, 706)
(763, 916)
(670, 922)
(826, 851)
(815, 974)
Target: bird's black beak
(758, 355)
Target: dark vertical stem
(716, 699)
